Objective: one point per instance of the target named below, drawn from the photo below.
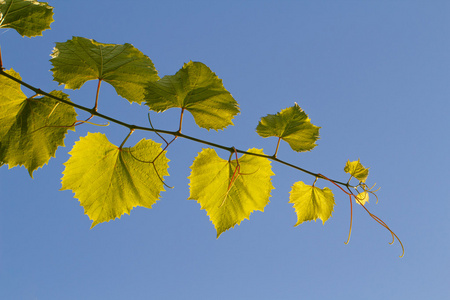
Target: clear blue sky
(373, 74)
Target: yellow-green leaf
(109, 181)
(363, 198)
(291, 125)
(198, 90)
(31, 129)
(126, 68)
(27, 17)
(227, 191)
(357, 170)
(311, 202)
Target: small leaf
(198, 90)
(357, 170)
(363, 198)
(229, 193)
(291, 125)
(109, 181)
(123, 66)
(31, 129)
(311, 202)
(28, 17)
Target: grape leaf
(198, 90)
(291, 125)
(109, 181)
(363, 198)
(357, 170)
(31, 129)
(311, 202)
(229, 193)
(126, 68)
(28, 17)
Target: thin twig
(1, 61)
(151, 125)
(129, 134)
(377, 219)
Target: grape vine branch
(110, 180)
(93, 112)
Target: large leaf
(31, 129)
(311, 202)
(27, 17)
(229, 193)
(357, 170)
(126, 68)
(109, 181)
(198, 90)
(291, 125)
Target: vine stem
(176, 134)
(1, 61)
(129, 134)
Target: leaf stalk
(1, 61)
(181, 119)
(96, 95)
(278, 145)
(129, 134)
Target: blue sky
(374, 75)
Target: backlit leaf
(357, 170)
(311, 202)
(31, 129)
(198, 90)
(363, 198)
(291, 125)
(27, 17)
(230, 194)
(126, 68)
(109, 181)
